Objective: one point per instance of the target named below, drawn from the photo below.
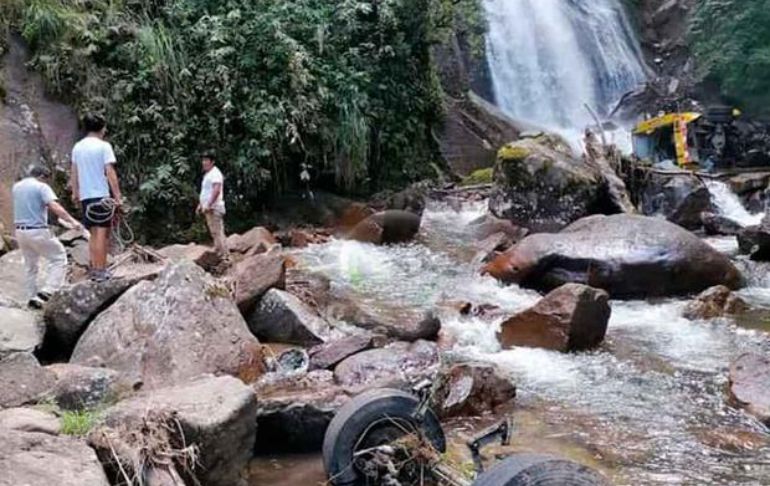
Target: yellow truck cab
(665, 138)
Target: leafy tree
(347, 87)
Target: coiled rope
(106, 211)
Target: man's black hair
(208, 154)
(94, 123)
(39, 171)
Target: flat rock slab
(37, 459)
(327, 355)
(216, 414)
(12, 277)
(21, 330)
(78, 387)
(22, 380)
(173, 329)
(750, 385)
(255, 275)
(29, 420)
(283, 318)
(398, 364)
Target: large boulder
(398, 322)
(283, 318)
(626, 255)
(387, 227)
(542, 185)
(717, 301)
(490, 225)
(181, 325)
(41, 459)
(20, 331)
(679, 198)
(573, 317)
(23, 380)
(255, 275)
(396, 365)
(256, 240)
(755, 242)
(70, 310)
(328, 355)
(204, 256)
(293, 412)
(80, 387)
(29, 420)
(750, 385)
(472, 389)
(715, 224)
(216, 415)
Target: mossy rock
(481, 176)
(513, 151)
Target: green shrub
(78, 422)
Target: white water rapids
(647, 408)
(550, 58)
(729, 204)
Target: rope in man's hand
(108, 210)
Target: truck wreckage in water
(718, 139)
(387, 437)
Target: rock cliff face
(33, 128)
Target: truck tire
(367, 421)
(539, 470)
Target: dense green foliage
(346, 87)
(731, 41)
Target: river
(648, 407)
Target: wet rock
(398, 365)
(215, 414)
(20, 330)
(680, 199)
(181, 325)
(412, 199)
(256, 240)
(750, 385)
(398, 322)
(387, 227)
(29, 420)
(294, 412)
(70, 310)
(491, 246)
(472, 389)
(540, 184)
(573, 317)
(328, 355)
(78, 387)
(718, 301)
(715, 224)
(203, 256)
(755, 242)
(628, 256)
(731, 440)
(255, 275)
(12, 282)
(489, 225)
(22, 380)
(282, 317)
(38, 459)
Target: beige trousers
(40, 243)
(216, 224)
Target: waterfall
(549, 58)
(729, 205)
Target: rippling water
(649, 405)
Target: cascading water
(549, 58)
(729, 204)
(648, 407)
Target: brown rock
(203, 256)
(78, 387)
(750, 385)
(473, 389)
(255, 275)
(22, 380)
(397, 365)
(489, 225)
(489, 247)
(282, 317)
(254, 241)
(29, 420)
(21, 330)
(400, 323)
(718, 301)
(38, 459)
(163, 332)
(217, 415)
(392, 226)
(294, 411)
(327, 355)
(573, 317)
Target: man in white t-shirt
(212, 204)
(32, 199)
(96, 189)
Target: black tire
(358, 417)
(539, 470)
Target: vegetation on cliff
(731, 42)
(347, 88)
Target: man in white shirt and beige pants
(212, 204)
(32, 199)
